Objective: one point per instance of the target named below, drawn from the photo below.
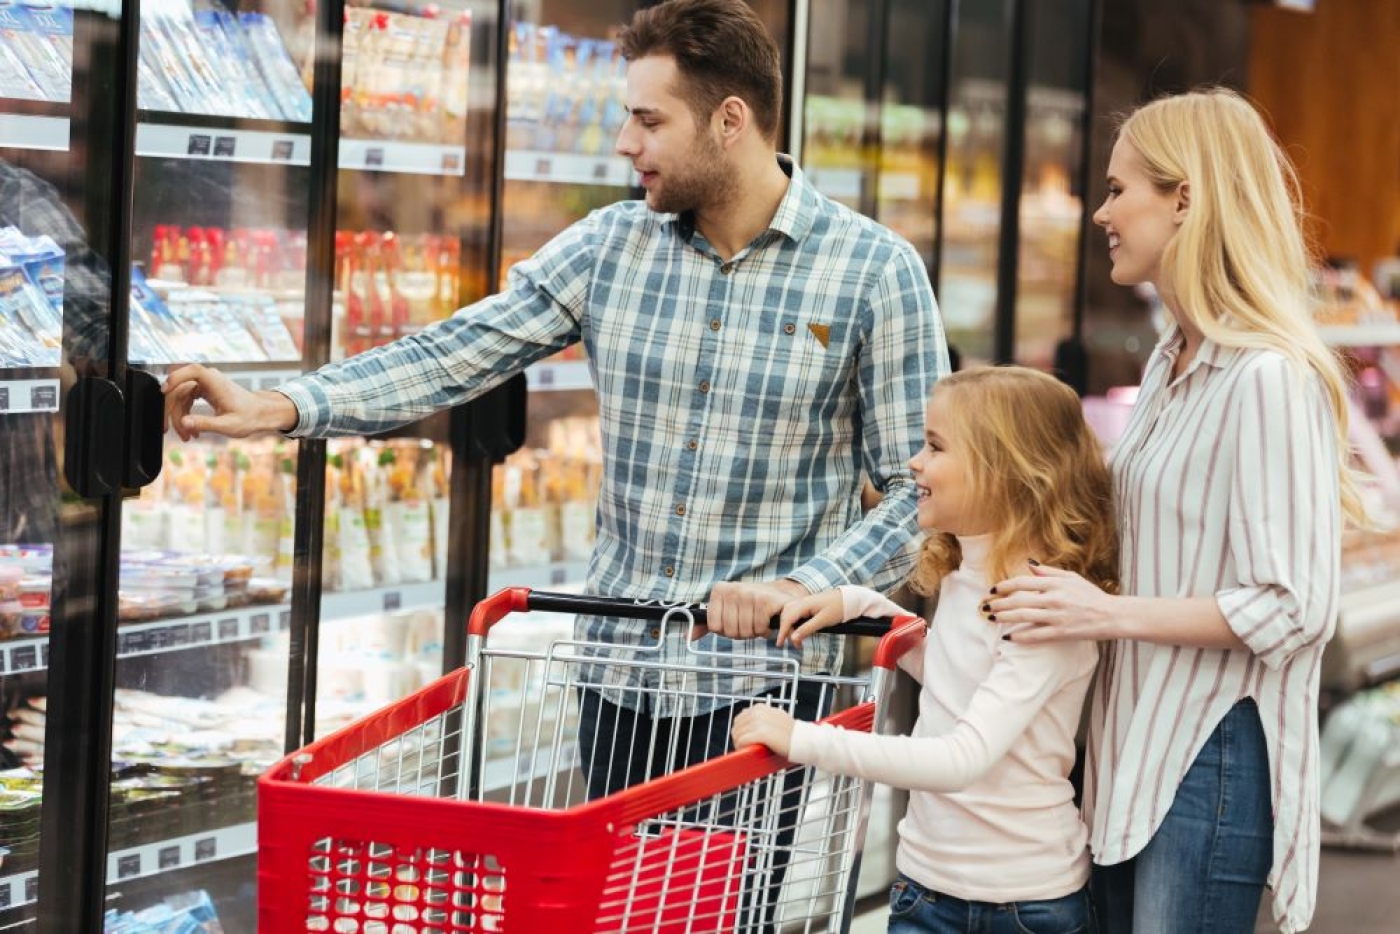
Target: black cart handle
(658, 610)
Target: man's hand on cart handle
(765, 725)
(746, 610)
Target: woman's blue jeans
(915, 909)
(1203, 872)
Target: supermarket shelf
(292, 147)
(382, 599)
(182, 141)
(251, 622)
(567, 168)
(28, 395)
(1362, 335)
(846, 183)
(31, 131)
(565, 376)
(549, 575)
(149, 859)
(407, 158)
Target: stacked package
(36, 52)
(212, 61)
(31, 300)
(186, 913)
(563, 93)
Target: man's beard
(704, 183)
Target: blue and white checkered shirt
(740, 401)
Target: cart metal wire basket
(462, 808)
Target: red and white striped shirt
(1226, 485)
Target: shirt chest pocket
(801, 358)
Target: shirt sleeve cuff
(819, 574)
(307, 408)
(1262, 623)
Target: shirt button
(727, 268)
(704, 385)
(789, 328)
(655, 633)
(680, 510)
(692, 444)
(670, 571)
(714, 325)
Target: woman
(1231, 485)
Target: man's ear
(1183, 202)
(732, 117)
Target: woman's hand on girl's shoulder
(767, 726)
(806, 615)
(1051, 605)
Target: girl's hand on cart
(814, 613)
(745, 610)
(764, 725)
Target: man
(755, 348)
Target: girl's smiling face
(942, 473)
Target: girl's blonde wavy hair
(1237, 269)
(1035, 468)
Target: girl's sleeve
(1023, 679)
(862, 601)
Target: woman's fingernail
(986, 608)
(994, 590)
(1034, 563)
(1006, 638)
(992, 617)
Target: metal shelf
(254, 622)
(28, 395)
(149, 859)
(524, 165)
(31, 131)
(293, 147)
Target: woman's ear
(1183, 202)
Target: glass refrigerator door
(63, 443)
(565, 96)
(221, 214)
(413, 241)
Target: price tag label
(260, 623)
(374, 156)
(544, 168)
(4, 398)
(128, 866)
(200, 144)
(169, 857)
(282, 150)
(451, 162)
(224, 146)
(393, 599)
(44, 398)
(208, 848)
(600, 170)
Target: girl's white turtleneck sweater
(991, 813)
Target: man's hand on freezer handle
(238, 412)
(745, 610)
(767, 726)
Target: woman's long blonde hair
(1037, 471)
(1237, 269)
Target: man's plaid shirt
(740, 401)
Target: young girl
(992, 841)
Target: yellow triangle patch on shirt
(822, 332)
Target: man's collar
(795, 215)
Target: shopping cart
(462, 808)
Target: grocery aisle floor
(1359, 893)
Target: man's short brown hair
(721, 49)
